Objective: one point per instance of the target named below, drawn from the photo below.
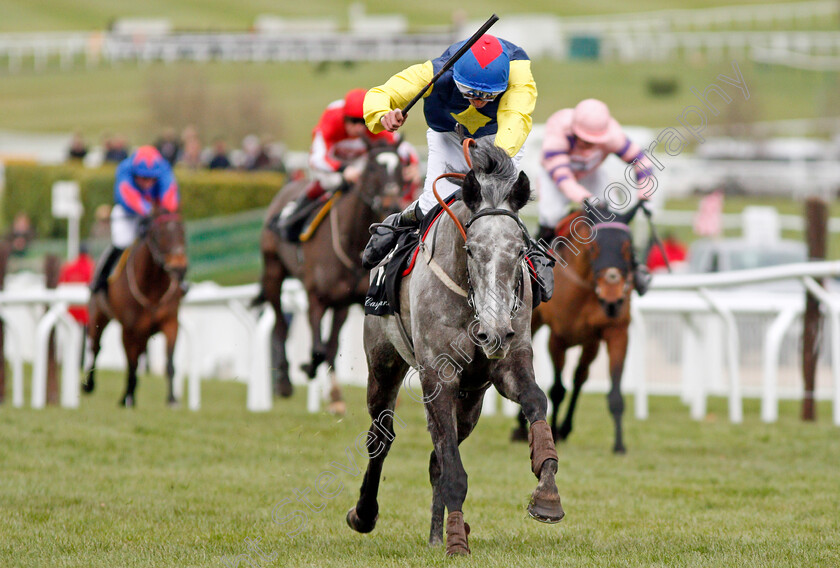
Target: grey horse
(466, 325)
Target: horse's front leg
(337, 405)
(587, 355)
(134, 347)
(170, 331)
(98, 321)
(616, 339)
(517, 384)
(319, 350)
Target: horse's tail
(259, 299)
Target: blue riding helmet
(484, 69)
(147, 162)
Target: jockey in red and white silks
(337, 141)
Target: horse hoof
(337, 408)
(173, 404)
(546, 509)
(358, 524)
(435, 541)
(519, 435)
(283, 388)
(127, 401)
(87, 388)
(457, 550)
(620, 450)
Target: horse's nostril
(509, 335)
(482, 337)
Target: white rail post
(17, 360)
(259, 380)
(193, 366)
(71, 362)
(770, 374)
(39, 364)
(638, 368)
(736, 409)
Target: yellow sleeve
(396, 93)
(515, 108)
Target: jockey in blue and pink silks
(143, 180)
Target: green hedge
(203, 193)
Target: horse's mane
(495, 171)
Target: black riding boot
(293, 217)
(384, 235)
(545, 235)
(103, 270)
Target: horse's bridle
(158, 258)
(593, 284)
(470, 292)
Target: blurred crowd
(189, 151)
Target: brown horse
(332, 273)
(591, 303)
(143, 295)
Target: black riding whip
(655, 237)
(486, 26)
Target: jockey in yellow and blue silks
(143, 180)
(489, 91)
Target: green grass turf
(104, 487)
(43, 15)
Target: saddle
(298, 225)
(383, 295)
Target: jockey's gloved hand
(352, 173)
(577, 193)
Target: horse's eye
(469, 251)
(522, 252)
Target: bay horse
(593, 278)
(143, 295)
(329, 263)
(464, 325)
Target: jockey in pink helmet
(575, 144)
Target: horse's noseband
(526, 238)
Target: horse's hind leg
(386, 370)
(617, 349)
(557, 392)
(468, 413)
(272, 286)
(319, 350)
(133, 348)
(170, 331)
(337, 405)
(587, 355)
(98, 321)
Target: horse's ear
(521, 193)
(471, 191)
